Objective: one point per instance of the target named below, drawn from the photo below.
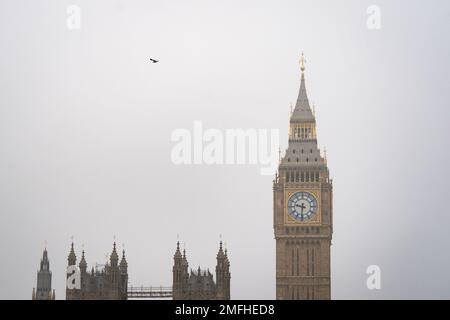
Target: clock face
(302, 206)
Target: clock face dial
(302, 206)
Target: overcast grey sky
(86, 120)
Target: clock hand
(302, 206)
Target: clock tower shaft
(303, 244)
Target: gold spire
(302, 63)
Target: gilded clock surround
(315, 221)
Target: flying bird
(153, 60)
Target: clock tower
(303, 224)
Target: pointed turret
(220, 254)
(45, 263)
(177, 254)
(180, 273)
(223, 274)
(72, 259)
(44, 279)
(123, 263)
(302, 148)
(82, 264)
(114, 258)
(123, 267)
(222, 257)
(302, 110)
(184, 261)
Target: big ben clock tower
(303, 223)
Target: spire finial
(45, 245)
(325, 154)
(302, 62)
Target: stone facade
(199, 284)
(110, 282)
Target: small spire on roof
(302, 109)
(302, 62)
(72, 257)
